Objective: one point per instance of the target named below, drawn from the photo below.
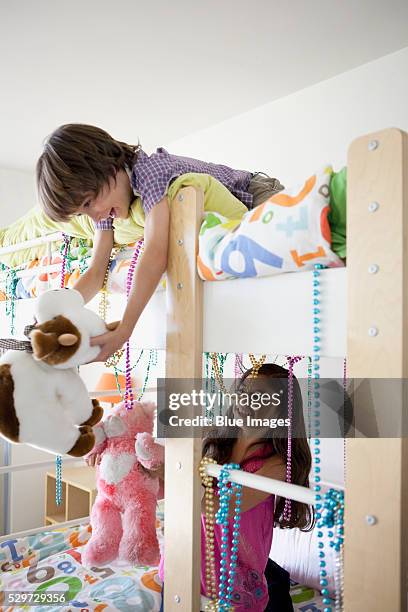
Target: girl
(256, 452)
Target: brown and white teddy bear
(43, 400)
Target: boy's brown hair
(77, 162)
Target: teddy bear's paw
(144, 445)
(149, 453)
(84, 443)
(97, 414)
(99, 553)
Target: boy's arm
(91, 282)
(148, 273)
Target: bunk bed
(364, 317)
(375, 336)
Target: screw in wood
(373, 269)
(373, 207)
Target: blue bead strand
(332, 518)
(315, 394)
(226, 491)
(330, 505)
(58, 480)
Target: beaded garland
(256, 364)
(210, 580)
(238, 365)
(82, 256)
(11, 282)
(330, 506)
(58, 461)
(227, 489)
(309, 398)
(287, 510)
(113, 361)
(65, 264)
(332, 517)
(209, 385)
(103, 302)
(129, 398)
(212, 374)
(218, 360)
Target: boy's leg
(262, 187)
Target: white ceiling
(162, 69)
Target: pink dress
(255, 540)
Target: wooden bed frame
(375, 548)
(373, 335)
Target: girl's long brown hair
(219, 443)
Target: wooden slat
(376, 469)
(183, 360)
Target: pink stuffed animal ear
(114, 426)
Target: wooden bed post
(184, 349)
(376, 513)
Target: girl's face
(113, 201)
(259, 401)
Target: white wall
(293, 136)
(17, 194)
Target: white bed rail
(20, 246)
(270, 485)
(22, 467)
(56, 527)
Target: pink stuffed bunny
(123, 516)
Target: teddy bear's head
(61, 336)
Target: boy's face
(113, 201)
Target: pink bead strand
(238, 365)
(128, 397)
(287, 510)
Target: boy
(83, 170)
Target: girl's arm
(274, 468)
(91, 282)
(148, 273)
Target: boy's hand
(110, 342)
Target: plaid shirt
(11, 344)
(151, 176)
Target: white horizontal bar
(8, 469)
(57, 526)
(35, 271)
(30, 243)
(269, 485)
